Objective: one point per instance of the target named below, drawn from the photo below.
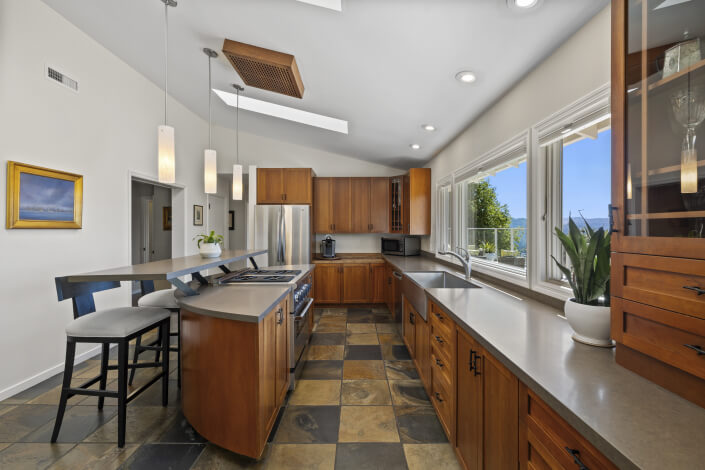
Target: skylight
(284, 112)
(336, 5)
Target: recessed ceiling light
(525, 3)
(284, 112)
(429, 127)
(415, 146)
(465, 76)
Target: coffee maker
(328, 247)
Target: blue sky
(586, 180)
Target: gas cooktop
(250, 278)
(272, 272)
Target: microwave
(402, 246)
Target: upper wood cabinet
(410, 205)
(323, 205)
(284, 186)
(351, 205)
(379, 205)
(341, 205)
(658, 193)
(360, 204)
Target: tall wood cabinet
(658, 193)
(410, 205)
(284, 186)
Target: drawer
(660, 334)
(669, 283)
(441, 342)
(441, 367)
(441, 321)
(442, 400)
(553, 443)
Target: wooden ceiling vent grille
(264, 68)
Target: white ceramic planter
(210, 250)
(590, 323)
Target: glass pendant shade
(629, 180)
(689, 164)
(237, 182)
(210, 173)
(165, 151)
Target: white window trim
(442, 183)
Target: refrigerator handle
(282, 236)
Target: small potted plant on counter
(209, 244)
(588, 312)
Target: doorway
(151, 222)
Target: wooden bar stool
(116, 325)
(161, 299)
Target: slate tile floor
(359, 405)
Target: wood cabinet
(284, 186)
(232, 394)
(379, 282)
(409, 327)
(323, 205)
(546, 441)
(422, 350)
(658, 203)
(351, 205)
(360, 204)
(410, 205)
(469, 406)
(328, 278)
(356, 283)
(389, 288)
(341, 205)
(379, 205)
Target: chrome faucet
(464, 259)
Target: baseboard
(42, 376)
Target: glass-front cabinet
(658, 93)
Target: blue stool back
(81, 293)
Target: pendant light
(166, 158)
(629, 180)
(210, 168)
(237, 168)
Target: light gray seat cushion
(116, 322)
(159, 298)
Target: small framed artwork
(42, 198)
(197, 215)
(231, 220)
(166, 218)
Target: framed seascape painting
(42, 198)
(197, 215)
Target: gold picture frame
(39, 197)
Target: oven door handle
(304, 310)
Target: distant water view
(44, 198)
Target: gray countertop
(166, 269)
(633, 421)
(241, 302)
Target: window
(445, 220)
(579, 175)
(492, 215)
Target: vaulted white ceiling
(386, 66)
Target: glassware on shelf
(689, 110)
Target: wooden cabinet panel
(442, 324)
(389, 288)
(360, 205)
(442, 399)
(270, 186)
(408, 326)
(547, 441)
(419, 221)
(268, 379)
(422, 351)
(379, 283)
(469, 426)
(356, 283)
(441, 343)
(379, 205)
(322, 205)
(297, 185)
(328, 279)
(281, 321)
(341, 205)
(501, 414)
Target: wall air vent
(264, 68)
(58, 77)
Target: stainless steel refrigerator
(285, 231)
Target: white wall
(578, 67)
(104, 132)
(353, 243)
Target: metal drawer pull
(697, 289)
(576, 458)
(439, 362)
(697, 348)
(474, 364)
(439, 339)
(438, 315)
(438, 397)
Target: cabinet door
(270, 186)
(297, 185)
(322, 205)
(469, 426)
(501, 413)
(360, 205)
(379, 283)
(379, 205)
(341, 205)
(423, 352)
(389, 288)
(356, 283)
(281, 319)
(408, 325)
(418, 202)
(327, 280)
(268, 371)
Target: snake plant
(208, 238)
(589, 254)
